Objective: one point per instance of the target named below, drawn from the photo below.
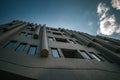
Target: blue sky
(80, 15)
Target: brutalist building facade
(38, 52)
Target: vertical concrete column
(37, 32)
(12, 26)
(12, 32)
(44, 42)
(111, 55)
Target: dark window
(32, 50)
(85, 54)
(11, 44)
(64, 34)
(61, 40)
(55, 52)
(21, 47)
(48, 32)
(50, 39)
(29, 35)
(54, 29)
(22, 34)
(71, 41)
(2, 31)
(57, 33)
(71, 53)
(28, 28)
(79, 42)
(95, 56)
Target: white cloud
(102, 9)
(107, 23)
(116, 4)
(118, 30)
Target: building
(37, 52)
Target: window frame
(30, 49)
(58, 55)
(13, 43)
(21, 45)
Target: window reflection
(29, 35)
(21, 47)
(95, 56)
(22, 34)
(55, 52)
(85, 54)
(50, 39)
(32, 50)
(11, 44)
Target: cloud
(116, 4)
(107, 23)
(102, 9)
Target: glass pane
(32, 50)
(22, 33)
(94, 56)
(55, 52)
(21, 47)
(85, 55)
(10, 44)
(29, 35)
(1, 31)
(72, 42)
(48, 32)
(50, 38)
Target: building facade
(37, 52)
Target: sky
(96, 17)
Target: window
(11, 44)
(48, 32)
(32, 50)
(50, 39)
(22, 34)
(55, 52)
(29, 35)
(28, 28)
(71, 53)
(95, 56)
(2, 31)
(85, 54)
(57, 33)
(64, 34)
(79, 42)
(71, 41)
(21, 47)
(61, 40)
(53, 29)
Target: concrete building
(37, 52)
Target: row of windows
(21, 47)
(75, 54)
(67, 53)
(61, 40)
